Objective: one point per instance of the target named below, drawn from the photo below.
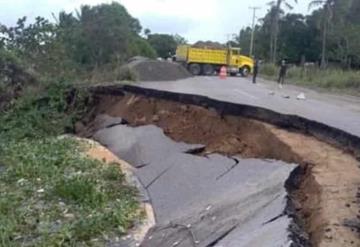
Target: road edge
(138, 233)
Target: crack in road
(139, 166)
(173, 225)
(158, 177)
(222, 236)
(228, 170)
(196, 150)
(275, 218)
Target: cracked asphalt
(205, 201)
(341, 112)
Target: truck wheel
(195, 69)
(208, 69)
(245, 71)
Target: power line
(253, 29)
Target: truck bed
(209, 56)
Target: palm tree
(327, 16)
(147, 32)
(276, 6)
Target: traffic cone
(223, 72)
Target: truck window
(235, 52)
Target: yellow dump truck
(206, 61)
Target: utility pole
(253, 30)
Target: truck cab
(240, 63)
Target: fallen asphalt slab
(205, 200)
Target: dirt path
(327, 193)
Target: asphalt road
(204, 201)
(215, 201)
(342, 112)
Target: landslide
(323, 191)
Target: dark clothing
(282, 73)
(255, 71)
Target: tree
(108, 29)
(91, 38)
(141, 47)
(276, 12)
(179, 39)
(327, 16)
(164, 44)
(147, 32)
(102, 34)
(244, 40)
(293, 37)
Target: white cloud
(193, 19)
(204, 19)
(173, 8)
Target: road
(341, 112)
(211, 200)
(205, 201)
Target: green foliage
(100, 36)
(268, 70)
(53, 195)
(180, 40)
(348, 80)
(126, 74)
(300, 38)
(141, 47)
(329, 78)
(50, 113)
(79, 190)
(164, 44)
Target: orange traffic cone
(223, 72)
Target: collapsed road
(202, 200)
(335, 111)
(222, 180)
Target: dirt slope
(326, 196)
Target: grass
(51, 193)
(332, 79)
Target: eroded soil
(326, 194)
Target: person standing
(255, 70)
(282, 73)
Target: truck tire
(245, 71)
(208, 69)
(195, 69)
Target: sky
(215, 20)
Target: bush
(141, 47)
(51, 193)
(268, 70)
(125, 74)
(331, 78)
(52, 112)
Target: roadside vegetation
(347, 81)
(328, 39)
(52, 194)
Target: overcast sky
(196, 20)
